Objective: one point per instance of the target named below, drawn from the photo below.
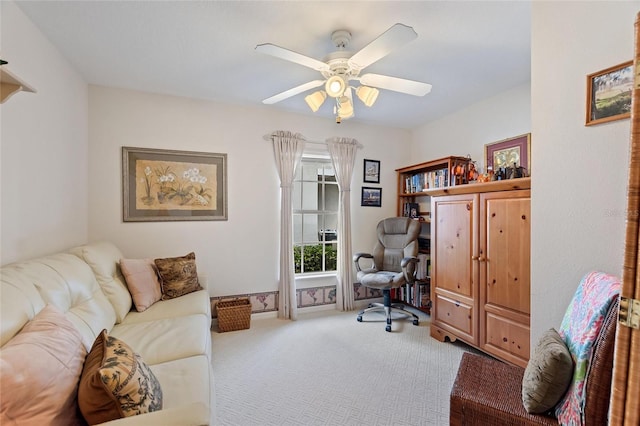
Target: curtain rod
(268, 139)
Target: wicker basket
(233, 314)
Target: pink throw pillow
(142, 279)
(40, 369)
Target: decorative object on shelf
(371, 197)
(10, 84)
(472, 172)
(371, 171)
(168, 185)
(506, 153)
(458, 174)
(411, 210)
(609, 94)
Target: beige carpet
(328, 369)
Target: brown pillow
(40, 367)
(142, 280)
(116, 383)
(548, 373)
(178, 275)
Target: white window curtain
(288, 148)
(343, 156)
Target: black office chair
(394, 264)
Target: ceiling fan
(342, 67)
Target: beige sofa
(172, 336)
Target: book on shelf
(423, 181)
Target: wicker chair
(489, 392)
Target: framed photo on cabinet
(506, 152)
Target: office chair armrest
(358, 256)
(409, 268)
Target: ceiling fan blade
(410, 87)
(290, 55)
(292, 92)
(394, 37)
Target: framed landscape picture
(609, 94)
(168, 185)
(371, 197)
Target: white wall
(239, 255)
(466, 132)
(44, 146)
(580, 173)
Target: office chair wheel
(388, 328)
(359, 318)
(415, 322)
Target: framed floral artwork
(169, 185)
(609, 94)
(506, 152)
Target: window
(315, 217)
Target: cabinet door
(454, 273)
(505, 241)
(507, 246)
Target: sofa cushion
(45, 360)
(548, 373)
(167, 339)
(579, 330)
(103, 258)
(68, 283)
(141, 276)
(178, 275)
(116, 383)
(197, 302)
(185, 381)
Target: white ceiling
(468, 50)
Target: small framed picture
(506, 152)
(609, 94)
(371, 197)
(371, 171)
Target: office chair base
(379, 307)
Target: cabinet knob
(482, 259)
(475, 258)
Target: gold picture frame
(169, 185)
(609, 94)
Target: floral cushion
(178, 275)
(116, 383)
(580, 328)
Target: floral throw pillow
(178, 276)
(116, 383)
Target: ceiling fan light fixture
(367, 95)
(315, 99)
(345, 107)
(335, 86)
